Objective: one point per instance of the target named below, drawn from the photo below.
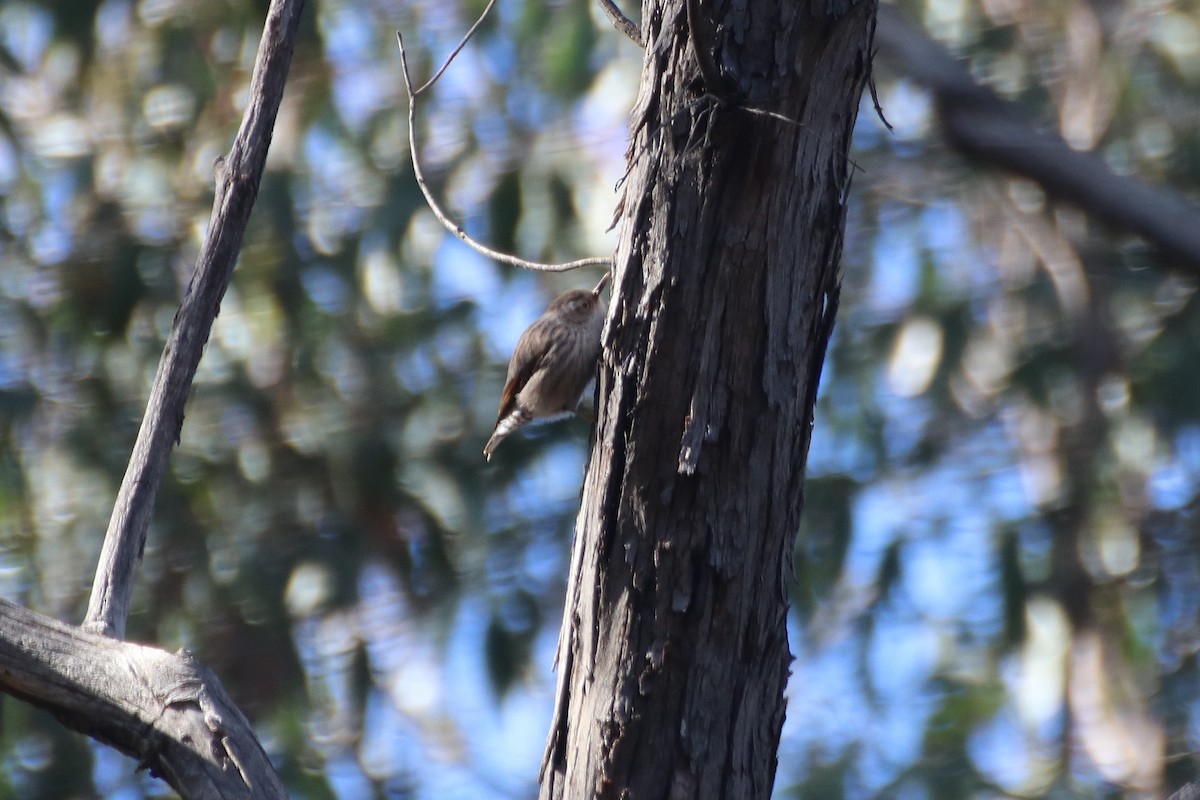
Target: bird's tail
(503, 428)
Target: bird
(554, 360)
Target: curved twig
(418, 173)
(875, 95)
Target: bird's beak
(603, 282)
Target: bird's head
(576, 305)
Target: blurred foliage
(997, 576)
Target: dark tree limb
(621, 22)
(237, 186)
(166, 710)
(981, 125)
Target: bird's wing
(525, 361)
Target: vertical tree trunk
(674, 655)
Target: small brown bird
(554, 360)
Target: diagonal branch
(237, 186)
(980, 124)
(621, 22)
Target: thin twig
(603, 282)
(875, 94)
(775, 115)
(418, 173)
(621, 22)
(453, 53)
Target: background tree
(996, 575)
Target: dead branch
(166, 710)
(237, 187)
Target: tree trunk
(673, 656)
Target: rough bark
(166, 710)
(673, 656)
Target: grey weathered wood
(981, 125)
(1189, 791)
(237, 186)
(166, 710)
(673, 655)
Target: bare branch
(237, 187)
(419, 174)
(621, 22)
(166, 710)
(980, 124)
